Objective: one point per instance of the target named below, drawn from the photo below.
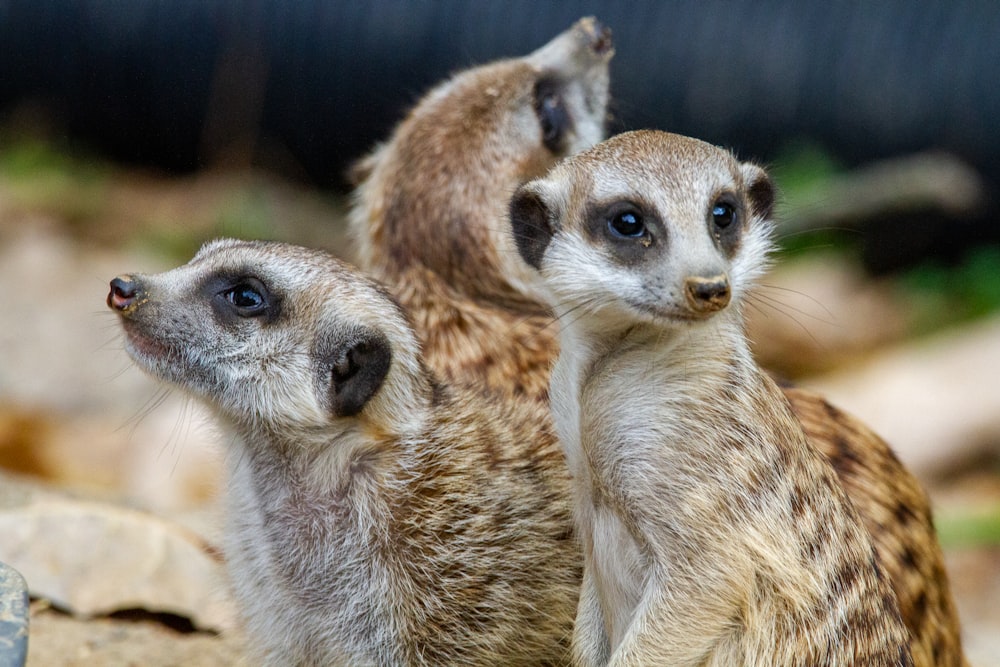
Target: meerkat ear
(531, 224)
(760, 190)
(356, 368)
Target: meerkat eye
(627, 224)
(247, 299)
(723, 214)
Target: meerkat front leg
(671, 628)
(591, 646)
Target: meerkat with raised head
(375, 516)
(426, 217)
(713, 533)
(429, 214)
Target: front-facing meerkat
(375, 517)
(713, 533)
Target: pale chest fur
(306, 567)
(701, 493)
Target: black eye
(627, 224)
(247, 299)
(723, 214)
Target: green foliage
(38, 175)
(955, 294)
(801, 169)
(975, 529)
(242, 212)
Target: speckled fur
(428, 529)
(713, 533)
(448, 184)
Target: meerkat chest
(293, 561)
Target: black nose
(124, 293)
(706, 295)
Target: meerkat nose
(124, 293)
(707, 295)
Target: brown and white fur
(430, 219)
(713, 533)
(375, 517)
(430, 210)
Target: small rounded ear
(357, 365)
(760, 190)
(529, 221)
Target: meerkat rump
(426, 217)
(713, 533)
(375, 517)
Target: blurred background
(132, 132)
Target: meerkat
(429, 213)
(374, 515)
(426, 216)
(713, 533)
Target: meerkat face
(268, 334)
(646, 226)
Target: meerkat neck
(322, 465)
(697, 358)
(716, 343)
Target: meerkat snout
(707, 295)
(124, 294)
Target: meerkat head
(274, 337)
(435, 194)
(646, 226)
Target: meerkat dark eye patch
(355, 366)
(629, 230)
(239, 297)
(529, 220)
(725, 221)
(553, 117)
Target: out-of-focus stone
(935, 401)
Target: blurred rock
(934, 400)
(75, 411)
(13, 617)
(92, 558)
(975, 581)
(815, 313)
(59, 640)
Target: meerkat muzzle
(707, 295)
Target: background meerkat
(713, 533)
(426, 217)
(430, 209)
(375, 517)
